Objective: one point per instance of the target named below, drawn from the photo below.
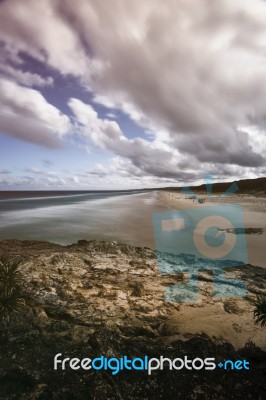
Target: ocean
(66, 217)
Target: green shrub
(11, 299)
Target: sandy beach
(254, 214)
(236, 326)
(125, 218)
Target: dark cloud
(234, 149)
(196, 83)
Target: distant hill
(251, 186)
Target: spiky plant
(11, 299)
(259, 313)
(9, 273)
(10, 304)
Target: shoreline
(254, 215)
(127, 218)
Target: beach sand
(237, 326)
(254, 215)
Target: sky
(131, 94)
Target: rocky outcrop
(94, 298)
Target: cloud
(152, 158)
(190, 73)
(40, 171)
(193, 69)
(138, 157)
(98, 170)
(12, 67)
(4, 171)
(24, 77)
(26, 115)
(43, 31)
(31, 182)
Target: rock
(87, 262)
(237, 327)
(168, 329)
(60, 326)
(81, 334)
(137, 289)
(37, 392)
(233, 306)
(39, 312)
(105, 298)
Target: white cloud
(190, 72)
(98, 170)
(31, 182)
(26, 115)
(152, 158)
(39, 29)
(24, 77)
(141, 158)
(40, 171)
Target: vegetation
(260, 311)
(11, 299)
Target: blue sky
(129, 96)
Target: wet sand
(125, 218)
